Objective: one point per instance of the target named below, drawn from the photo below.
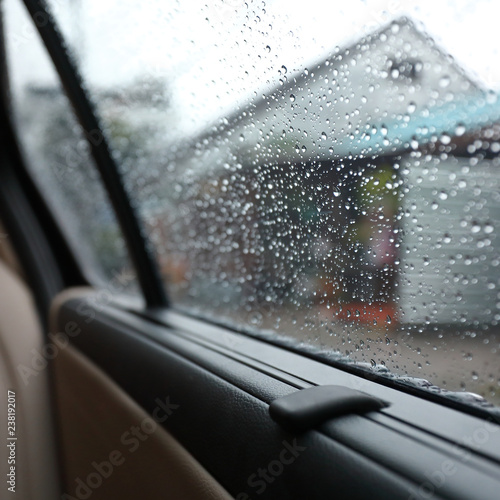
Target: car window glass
(57, 154)
(327, 175)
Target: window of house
(322, 176)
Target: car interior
(249, 250)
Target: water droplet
(445, 139)
(460, 130)
(444, 81)
(475, 228)
(256, 318)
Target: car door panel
(223, 419)
(112, 448)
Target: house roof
(380, 125)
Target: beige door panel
(112, 449)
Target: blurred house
(335, 164)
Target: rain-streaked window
(318, 173)
(58, 156)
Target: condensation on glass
(323, 175)
(57, 154)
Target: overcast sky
(214, 56)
